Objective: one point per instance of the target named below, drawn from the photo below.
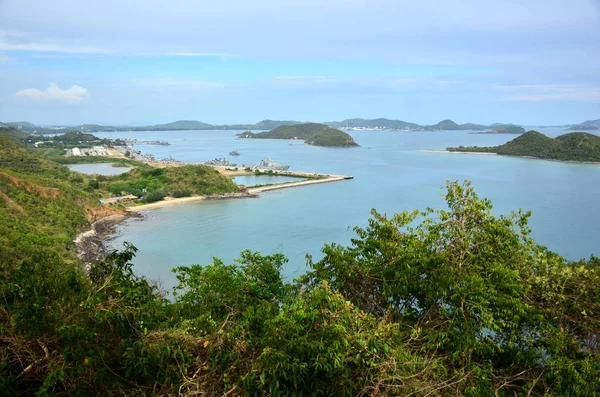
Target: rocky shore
(90, 244)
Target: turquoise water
(253, 180)
(391, 174)
(98, 168)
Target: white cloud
(19, 41)
(549, 92)
(197, 54)
(73, 95)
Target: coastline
(89, 244)
(510, 155)
(182, 200)
(457, 152)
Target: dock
(326, 178)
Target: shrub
(181, 193)
(152, 197)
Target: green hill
(587, 125)
(575, 146)
(180, 125)
(449, 125)
(312, 133)
(13, 133)
(373, 123)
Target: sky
(531, 62)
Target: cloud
(73, 95)
(162, 83)
(197, 54)
(19, 41)
(549, 92)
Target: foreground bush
(453, 302)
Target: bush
(181, 193)
(152, 197)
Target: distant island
(312, 133)
(267, 124)
(513, 129)
(193, 125)
(587, 125)
(574, 146)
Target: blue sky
(131, 61)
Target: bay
(391, 174)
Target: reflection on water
(98, 168)
(254, 180)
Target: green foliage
(154, 196)
(311, 133)
(449, 302)
(181, 193)
(13, 133)
(173, 181)
(575, 146)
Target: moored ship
(220, 162)
(268, 164)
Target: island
(312, 133)
(511, 129)
(574, 146)
(586, 125)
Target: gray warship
(268, 164)
(220, 162)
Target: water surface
(98, 168)
(254, 180)
(391, 174)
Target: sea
(391, 174)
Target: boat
(268, 164)
(220, 162)
(234, 153)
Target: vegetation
(452, 302)
(511, 129)
(189, 179)
(575, 146)
(312, 133)
(587, 125)
(13, 133)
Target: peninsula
(511, 129)
(575, 146)
(312, 133)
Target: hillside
(354, 123)
(575, 146)
(181, 125)
(374, 123)
(587, 125)
(13, 133)
(312, 134)
(508, 129)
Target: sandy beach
(448, 151)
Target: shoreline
(457, 152)
(90, 244)
(510, 155)
(183, 200)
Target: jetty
(325, 179)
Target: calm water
(253, 180)
(391, 174)
(98, 168)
